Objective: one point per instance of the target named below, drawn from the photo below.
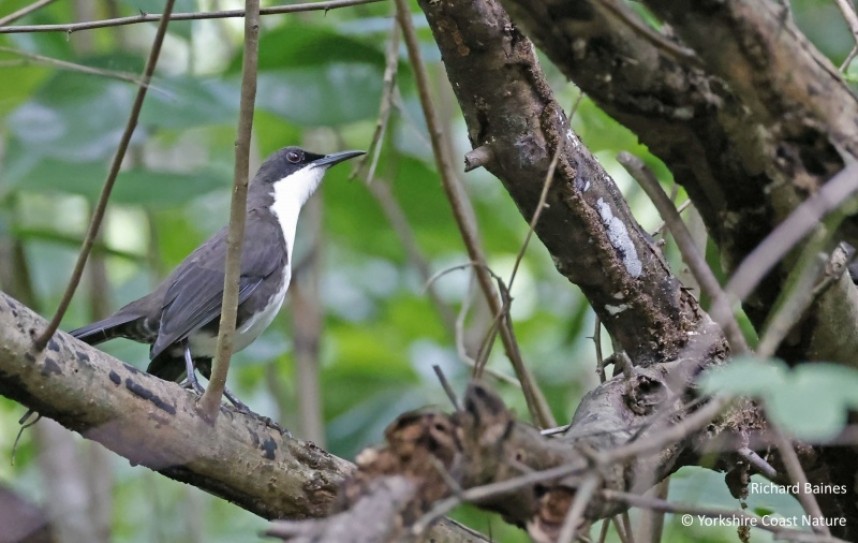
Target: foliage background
(320, 85)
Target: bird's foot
(240, 406)
(192, 384)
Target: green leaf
(73, 116)
(336, 93)
(19, 82)
(297, 45)
(185, 102)
(813, 402)
(744, 376)
(798, 407)
(831, 382)
(136, 187)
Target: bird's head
(295, 173)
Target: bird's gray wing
(195, 292)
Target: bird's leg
(192, 382)
(191, 378)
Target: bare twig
(101, 206)
(836, 193)
(478, 157)
(623, 13)
(670, 434)
(740, 517)
(451, 394)
(797, 474)
(540, 206)
(721, 307)
(154, 17)
(536, 402)
(26, 10)
(796, 295)
(848, 11)
(758, 463)
(583, 495)
(483, 492)
(600, 359)
(210, 401)
(391, 65)
(74, 67)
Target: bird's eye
(293, 156)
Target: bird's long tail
(116, 325)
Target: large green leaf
(811, 401)
(332, 94)
(73, 116)
(137, 186)
(300, 45)
(745, 376)
(185, 102)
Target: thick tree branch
(586, 226)
(768, 124)
(432, 462)
(154, 423)
(242, 458)
(747, 150)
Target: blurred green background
(320, 86)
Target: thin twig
(622, 12)
(603, 532)
(795, 296)
(445, 384)
(583, 495)
(537, 213)
(210, 402)
(797, 475)
(154, 17)
(758, 463)
(848, 11)
(627, 526)
(600, 359)
(101, 206)
(618, 526)
(74, 67)
(26, 10)
(463, 214)
(483, 492)
(670, 434)
(836, 193)
(721, 308)
(659, 230)
(391, 66)
(735, 515)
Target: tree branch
(241, 458)
(154, 17)
(587, 226)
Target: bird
(180, 318)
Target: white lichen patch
(614, 310)
(618, 235)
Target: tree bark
(748, 117)
(242, 458)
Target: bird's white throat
(290, 194)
